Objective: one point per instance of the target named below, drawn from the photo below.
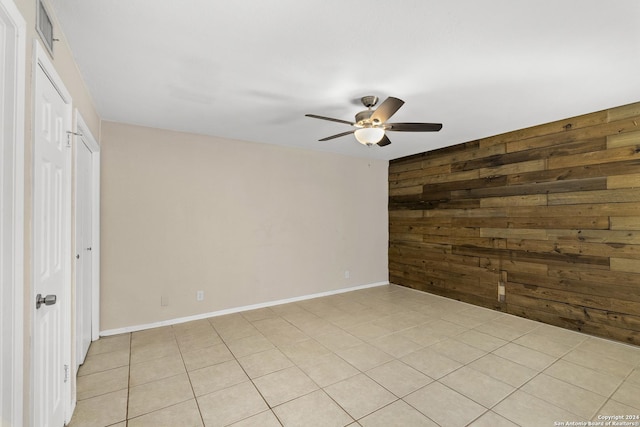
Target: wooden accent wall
(553, 211)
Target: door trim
(12, 193)
(41, 60)
(83, 133)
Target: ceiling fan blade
(387, 109)
(414, 127)
(384, 141)
(338, 135)
(329, 118)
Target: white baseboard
(178, 320)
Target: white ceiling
(250, 70)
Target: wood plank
(556, 260)
(598, 196)
(593, 328)
(573, 135)
(467, 184)
(451, 177)
(426, 273)
(430, 204)
(625, 222)
(429, 221)
(436, 231)
(625, 264)
(480, 153)
(596, 157)
(452, 149)
(396, 166)
(623, 112)
(405, 214)
(441, 247)
(564, 186)
(604, 278)
(607, 250)
(469, 213)
(577, 172)
(406, 174)
(563, 222)
(558, 126)
(524, 267)
(405, 237)
(408, 255)
(514, 168)
(587, 320)
(479, 222)
(417, 176)
(488, 301)
(623, 139)
(404, 191)
(618, 291)
(437, 153)
(526, 200)
(587, 210)
(477, 242)
(629, 237)
(398, 202)
(579, 299)
(515, 233)
(595, 144)
(623, 181)
(420, 180)
(440, 196)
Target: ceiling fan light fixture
(369, 135)
(371, 125)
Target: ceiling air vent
(44, 26)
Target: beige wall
(246, 223)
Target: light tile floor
(384, 356)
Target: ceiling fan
(371, 125)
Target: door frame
(12, 193)
(84, 136)
(41, 60)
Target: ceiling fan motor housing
(363, 117)
(369, 101)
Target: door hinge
(66, 373)
(69, 133)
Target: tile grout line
(195, 398)
(364, 341)
(535, 376)
(320, 388)
(507, 342)
(399, 360)
(610, 397)
(248, 376)
(296, 365)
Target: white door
(12, 85)
(84, 270)
(51, 256)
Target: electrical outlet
(164, 301)
(200, 296)
(347, 274)
(501, 291)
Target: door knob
(48, 300)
